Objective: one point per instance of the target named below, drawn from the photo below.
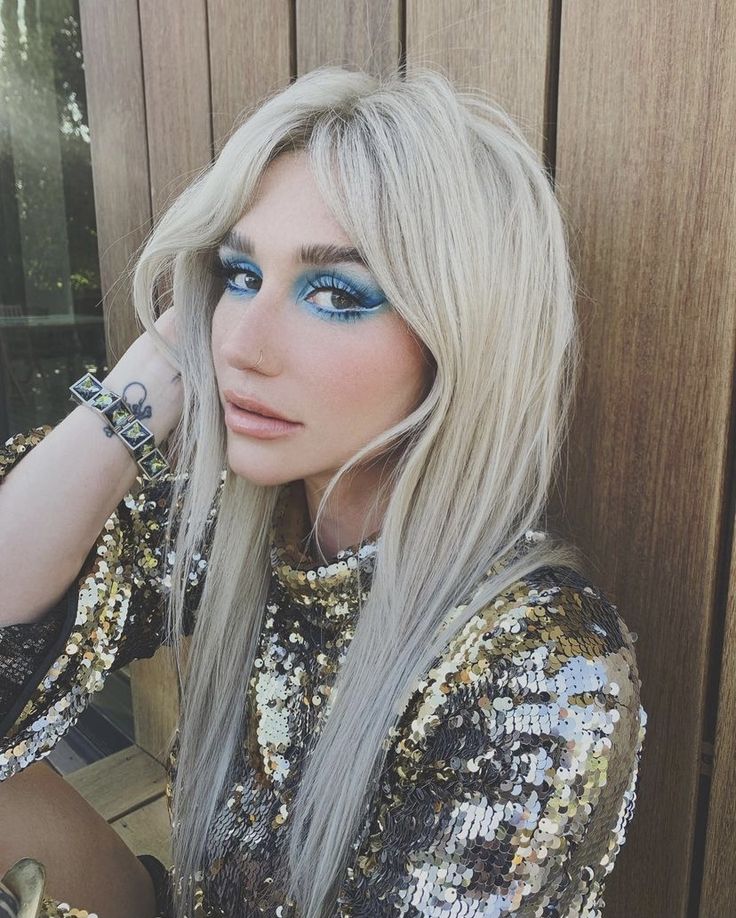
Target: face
(337, 359)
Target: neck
(354, 510)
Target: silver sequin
(510, 778)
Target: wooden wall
(632, 106)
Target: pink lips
(253, 405)
(239, 420)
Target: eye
(337, 299)
(326, 295)
(237, 277)
(331, 297)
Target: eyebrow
(319, 255)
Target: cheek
(218, 327)
(372, 380)
(224, 320)
(215, 339)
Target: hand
(21, 889)
(166, 326)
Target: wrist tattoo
(137, 408)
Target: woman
(381, 262)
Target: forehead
(289, 213)
(288, 187)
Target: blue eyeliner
(363, 299)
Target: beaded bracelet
(88, 390)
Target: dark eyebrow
(318, 255)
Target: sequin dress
(511, 776)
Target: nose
(253, 334)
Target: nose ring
(259, 361)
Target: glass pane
(51, 320)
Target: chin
(264, 478)
(263, 473)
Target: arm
(75, 465)
(111, 614)
(512, 781)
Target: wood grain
(644, 155)
(119, 151)
(718, 896)
(121, 782)
(251, 51)
(147, 830)
(352, 34)
(174, 51)
(501, 48)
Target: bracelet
(88, 390)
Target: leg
(87, 864)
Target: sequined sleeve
(510, 781)
(111, 614)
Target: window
(51, 320)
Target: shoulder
(548, 619)
(520, 743)
(549, 656)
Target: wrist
(151, 386)
(125, 419)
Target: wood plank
(155, 695)
(500, 47)
(718, 892)
(120, 782)
(117, 126)
(251, 51)
(147, 830)
(177, 91)
(352, 33)
(644, 153)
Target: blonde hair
(458, 222)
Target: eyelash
(229, 271)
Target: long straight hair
(458, 222)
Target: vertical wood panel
(356, 33)
(501, 47)
(250, 57)
(116, 108)
(177, 91)
(179, 131)
(643, 158)
(718, 896)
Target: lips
(251, 404)
(250, 424)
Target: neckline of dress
(327, 592)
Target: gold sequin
(509, 780)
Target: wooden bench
(128, 789)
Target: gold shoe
(21, 889)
